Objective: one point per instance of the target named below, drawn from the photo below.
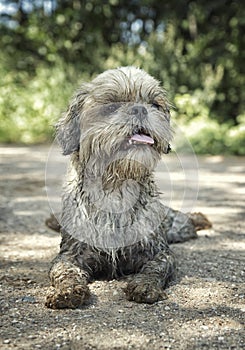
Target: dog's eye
(155, 105)
(110, 108)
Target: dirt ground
(205, 306)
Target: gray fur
(113, 223)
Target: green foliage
(196, 48)
(236, 137)
(207, 135)
(29, 106)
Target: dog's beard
(135, 162)
(135, 165)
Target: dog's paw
(200, 221)
(142, 291)
(70, 298)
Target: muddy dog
(113, 224)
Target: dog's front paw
(142, 291)
(69, 298)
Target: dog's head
(120, 117)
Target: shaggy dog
(113, 224)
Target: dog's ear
(68, 127)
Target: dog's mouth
(140, 137)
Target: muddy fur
(115, 130)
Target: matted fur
(113, 223)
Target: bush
(207, 135)
(236, 137)
(30, 105)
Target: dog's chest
(112, 219)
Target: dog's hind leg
(181, 227)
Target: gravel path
(205, 306)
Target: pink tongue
(142, 138)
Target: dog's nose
(139, 111)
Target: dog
(116, 129)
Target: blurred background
(195, 48)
